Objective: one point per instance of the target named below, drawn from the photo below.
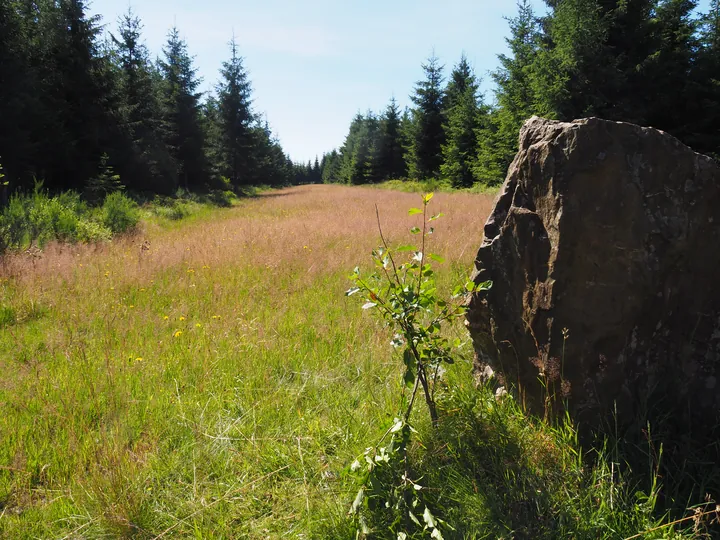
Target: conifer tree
(18, 95)
(463, 121)
(145, 161)
(390, 157)
(331, 168)
(72, 117)
(359, 153)
(236, 139)
(669, 65)
(428, 136)
(700, 128)
(186, 138)
(515, 94)
(462, 78)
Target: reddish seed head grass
(318, 229)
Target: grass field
(207, 378)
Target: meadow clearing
(208, 378)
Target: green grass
(437, 186)
(214, 397)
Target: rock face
(611, 231)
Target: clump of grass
(7, 316)
(435, 185)
(119, 213)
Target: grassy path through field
(206, 377)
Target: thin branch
(676, 522)
(387, 248)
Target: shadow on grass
(491, 471)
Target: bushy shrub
(92, 231)
(173, 209)
(222, 198)
(14, 223)
(120, 213)
(38, 218)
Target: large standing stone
(611, 231)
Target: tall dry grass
(319, 228)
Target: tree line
(650, 62)
(77, 108)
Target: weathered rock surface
(611, 231)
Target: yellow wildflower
(178, 333)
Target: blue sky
(314, 64)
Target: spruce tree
(463, 121)
(358, 155)
(145, 161)
(668, 68)
(390, 160)
(72, 119)
(236, 138)
(700, 128)
(18, 96)
(331, 168)
(462, 78)
(515, 95)
(270, 165)
(185, 136)
(428, 136)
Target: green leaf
(409, 376)
(429, 518)
(408, 357)
(397, 426)
(436, 258)
(415, 520)
(364, 526)
(416, 230)
(406, 247)
(358, 501)
(369, 305)
(352, 291)
(428, 197)
(484, 286)
(436, 216)
(414, 211)
(402, 536)
(436, 534)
